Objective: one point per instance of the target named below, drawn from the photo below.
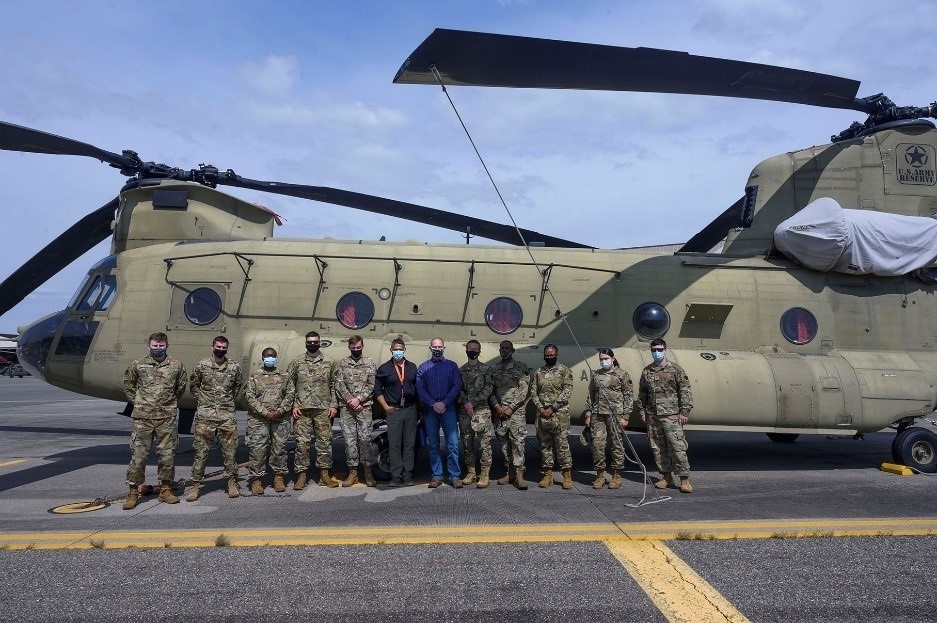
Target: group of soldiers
(485, 400)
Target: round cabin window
(798, 325)
(202, 306)
(651, 320)
(503, 315)
(355, 310)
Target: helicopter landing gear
(782, 437)
(917, 448)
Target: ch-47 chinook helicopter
(769, 344)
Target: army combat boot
(279, 483)
(616, 480)
(666, 481)
(166, 495)
(369, 477)
(519, 481)
(469, 477)
(352, 477)
(326, 480)
(567, 478)
(233, 491)
(193, 492)
(300, 483)
(483, 481)
(685, 486)
(508, 477)
(547, 479)
(133, 497)
(599, 479)
(257, 487)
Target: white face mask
(605, 363)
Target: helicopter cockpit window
(503, 315)
(651, 320)
(100, 295)
(798, 325)
(354, 310)
(202, 306)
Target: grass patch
(97, 544)
(222, 541)
(167, 545)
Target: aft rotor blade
(19, 138)
(483, 59)
(712, 234)
(401, 209)
(72, 244)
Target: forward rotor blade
(18, 138)
(401, 209)
(72, 244)
(483, 59)
(712, 234)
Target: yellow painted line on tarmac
(465, 534)
(680, 593)
(9, 463)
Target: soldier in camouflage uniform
(664, 403)
(215, 383)
(153, 384)
(608, 407)
(354, 387)
(311, 382)
(550, 390)
(511, 379)
(267, 428)
(474, 414)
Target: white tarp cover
(825, 237)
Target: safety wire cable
(631, 454)
(633, 458)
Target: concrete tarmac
(808, 531)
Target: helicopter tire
(783, 437)
(380, 455)
(917, 448)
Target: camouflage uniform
(664, 394)
(311, 382)
(477, 386)
(354, 378)
(611, 397)
(215, 386)
(153, 388)
(512, 382)
(551, 387)
(266, 391)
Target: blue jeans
(450, 427)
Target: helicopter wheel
(917, 448)
(380, 455)
(783, 437)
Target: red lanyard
(401, 370)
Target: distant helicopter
(769, 344)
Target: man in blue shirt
(438, 383)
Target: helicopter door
(794, 383)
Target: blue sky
(302, 92)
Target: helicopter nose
(35, 342)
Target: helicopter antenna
(468, 235)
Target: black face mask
(312, 348)
(472, 354)
(356, 353)
(220, 354)
(550, 361)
